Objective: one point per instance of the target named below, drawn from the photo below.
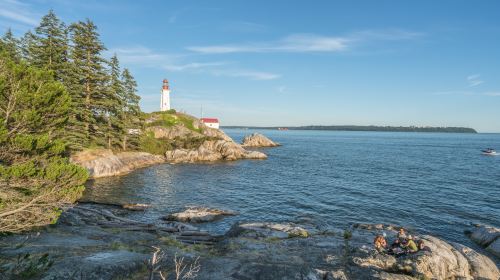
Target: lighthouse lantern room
(165, 96)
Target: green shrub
(148, 143)
(22, 170)
(25, 143)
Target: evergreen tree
(11, 44)
(27, 45)
(50, 49)
(115, 114)
(89, 81)
(36, 181)
(131, 99)
(131, 119)
(30, 101)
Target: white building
(210, 122)
(165, 96)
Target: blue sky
(425, 63)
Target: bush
(22, 170)
(148, 143)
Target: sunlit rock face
(103, 163)
(258, 140)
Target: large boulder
(103, 162)
(487, 237)
(258, 140)
(213, 150)
(442, 261)
(199, 215)
(481, 266)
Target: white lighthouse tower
(165, 96)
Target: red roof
(209, 120)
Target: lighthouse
(165, 96)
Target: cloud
(139, 55)
(293, 43)
(308, 43)
(474, 80)
(281, 89)
(145, 57)
(252, 75)
(18, 12)
(492, 93)
(192, 66)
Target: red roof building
(210, 122)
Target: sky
(292, 63)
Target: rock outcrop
(199, 215)
(487, 237)
(214, 145)
(103, 242)
(213, 150)
(104, 163)
(267, 230)
(442, 260)
(258, 140)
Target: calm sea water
(435, 183)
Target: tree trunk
(124, 143)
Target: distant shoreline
(364, 128)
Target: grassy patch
(171, 118)
(159, 146)
(172, 242)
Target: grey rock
(199, 215)
(488, 237)
(104, 163)
(258, 140)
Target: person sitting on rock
(410, 245)
(380, 244)
(396, 248)
(402, 235)
(396, 244)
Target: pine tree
(131, 108)
(89, 91)
(131, 99)
(27, 45)
(11, 44)
(50, 49)
(115, 114)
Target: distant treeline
(369, 128)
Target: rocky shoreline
(215, 146)
(96, 241)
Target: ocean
(434, 183)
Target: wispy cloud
(140, 55)
(492, 93)
(252, 75)
(293, 43)
(18, 12)
(145, 57)
(192, 66)
(307, 43)
(474, 80)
